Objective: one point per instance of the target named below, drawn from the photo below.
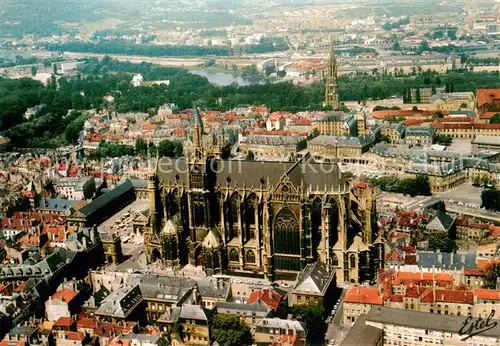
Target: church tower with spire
(197, 134)
(332, 88)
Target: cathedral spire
(332, 89)
(197, 132)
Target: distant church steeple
(332, 88)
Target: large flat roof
(362, 334)
(483, 139)
(425, 320)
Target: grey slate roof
(335, 116)
(278, 323)
(121, 302)
(274, 140)
(171, 315)
(362, 334)
(421, 157)
(490, 140)
(47, 267)
(315, 278)
(137, 183)
(425, 320)
(441, 222)
(250, 173)
(193, 312)
(56, 204)
(420, 131)
(343, 141)
(443, 260)
(107, 199)
(24, 331)
(259, 308)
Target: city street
(336, 330)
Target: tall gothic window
(233, 215)
(250, 205)
(170, 249)
(335, 260)
(352, 261)
(250, 257)
(334, 223)
(209, 261)
(233, 255)
(197, 177)
(286, 232)
(199, 214)
(316, 225)
(173, 204)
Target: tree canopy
(441, 241)
(312, 315)
(490, 199)
(411, 186)
(110, 77)
(168, 148)
(228, 330)
(495, 119)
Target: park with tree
(109, 77)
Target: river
(223, 79)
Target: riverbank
(225, 79)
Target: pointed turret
(332, 89)
(197, 133)
(197, 122)
(153, 192)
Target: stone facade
(332, 88)
(269, 218)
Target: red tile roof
(270, 298)
(454, 296)
(363, 295)
(394, 256)
(75, 336)
(302, 121)
(487, 115)
(418, 278)
(487, 294)
(87, 323)
(474, 272)
(120, 342)
(382, 114)
(396, 298)
(10, 343)
(463, 221)
(479, 225)
(487, 96)
(66, 295)
(108, 329)
(64, 322)
(495, 231)
(484, 263)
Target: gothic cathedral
(260, 218)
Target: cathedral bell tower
(332, 88)
(198, 193)
(152, 238)
(197, 135)
(154, 219)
